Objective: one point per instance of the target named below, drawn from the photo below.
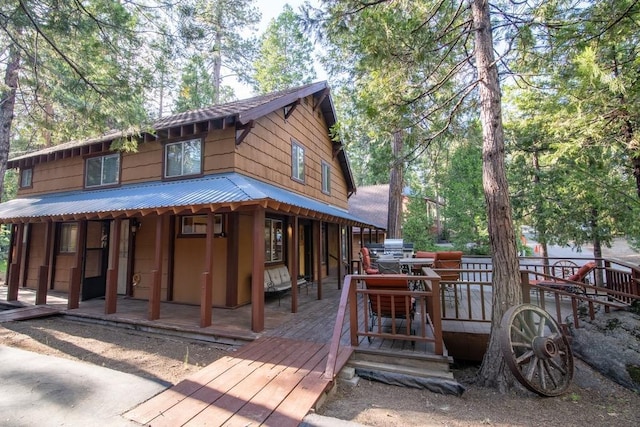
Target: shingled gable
(239, 114)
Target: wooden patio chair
(390, 306)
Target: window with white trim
(326, 178)
(297, 161)
(197, 225)
(273, 240)
(102, 170)
(183, 158)
(26, 177)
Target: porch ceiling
(220, 192)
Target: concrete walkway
(39, 390)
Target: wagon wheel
(564, 268)
(536, 351)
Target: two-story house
(210, 199)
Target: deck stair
(414, 365)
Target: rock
(611, 345)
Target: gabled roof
(371, 203)
(230, 191)
(236, 114)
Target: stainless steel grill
(394, 247)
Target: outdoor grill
(394, 247)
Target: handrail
(430, 310)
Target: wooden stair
(415, 365)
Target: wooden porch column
(257, 272)
(206, 287)
(317, 236)
(43, 271)
(340, 256)
(294, 263)
(111, 293)
(156, 274)
(16, 260)
(75, 273)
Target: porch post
(111, 294)
(156, 274)
(75, 272)
(257, 272)
(340, 256)
(206, 287)
(294, 263)
(317, 238)
(14, 268)
(43, 271)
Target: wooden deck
(272, 381)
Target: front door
(305, 248)
(96, 257)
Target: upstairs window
(297, 161)
(326, 178)
(102, 170)
(183, 158)
(26, 178)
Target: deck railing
(355, 300)
(612, 284)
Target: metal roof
(212, 191)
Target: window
(273, 241)
(26, 178)
(68, 237)
(102, 170)
(326, 178)
(183, 158)
(297, 162)
(197, 225)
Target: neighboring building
(210, 199)
(371, 204)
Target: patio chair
(366, 262)
(390, 306)
(417, 268)
(447, 264)
(565, 285)
(389, 266)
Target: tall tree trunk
(216, 76)
(7, 106)
(506, 288)
(394, 218)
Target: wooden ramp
(29, 312)
(272, 381)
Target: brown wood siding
(144, 257)
(51, 177)
(266, 154)
(62, 275)
(189, 264)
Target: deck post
(111, 294)
(206, 288)
(75, 273)
(294, 263)
(526, 287)
(43, 271)
(14, 267)
(317, 239)
(156, 279)
(257, 272)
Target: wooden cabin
(210, 199)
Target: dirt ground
(592, 400)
